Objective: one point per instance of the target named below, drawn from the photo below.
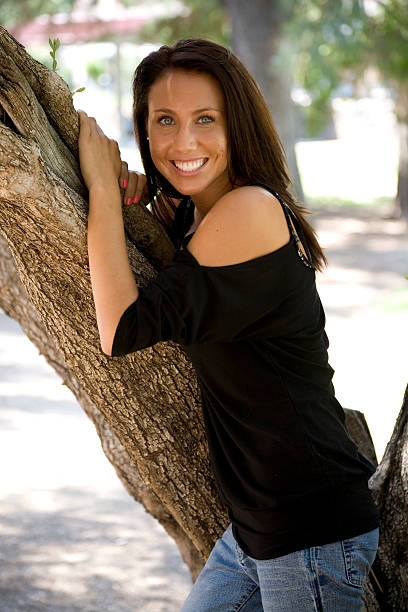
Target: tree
(125, 397)
(145, 406)
(388, 42)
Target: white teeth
(190, 166)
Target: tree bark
(258, 40)
(145, 406)
(148, 401)
(390, 488)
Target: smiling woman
(188, 135)
(240, 297)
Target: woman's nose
(184, 139)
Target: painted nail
(125, 183)
(136, 199)
(128, 202)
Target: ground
(71, 539)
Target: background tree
(387, 37)
(145, 406)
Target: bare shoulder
(245, 223)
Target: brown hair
(255, 152)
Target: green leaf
(78, 90)
(406, 277)
(57, 43)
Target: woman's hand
(134, 184)
(99, 155)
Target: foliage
(338, 39)
(16, 12)
(331, 41)
(388, 39)
(55, 45)
(199, 20)
(96, 68)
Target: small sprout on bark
(78, 90)
(54, 44)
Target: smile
(190, 167)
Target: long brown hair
(255, 152)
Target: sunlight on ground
(361, 163)
(69, 532)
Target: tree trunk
(402, 189)
(147, 403)
(401, 111)
(390, 488)
(145, 406)
(258, 41)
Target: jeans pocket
(359, 554)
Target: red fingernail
(125, 183)
(128, 202)
(136, 199)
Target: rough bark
(390, 489)
(145, 406)
(264, 56)
(147, 401)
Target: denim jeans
(327, 578)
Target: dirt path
(71, 539)
(365, 296)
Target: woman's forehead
(185, 90)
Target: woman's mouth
(189, 167)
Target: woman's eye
(166, 120)
(206, 119)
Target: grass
(395, 302)
(335, 201)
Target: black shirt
(254, 331)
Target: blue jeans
(327, 578)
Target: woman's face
(187, 130)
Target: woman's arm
(113, 284)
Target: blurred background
(335, 75)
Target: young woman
(240, 296)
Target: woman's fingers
(135, 188)
(90, 123)
(124, 175)
(133, 183)
(99, 155)
(84, 126)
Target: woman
(240, 296)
